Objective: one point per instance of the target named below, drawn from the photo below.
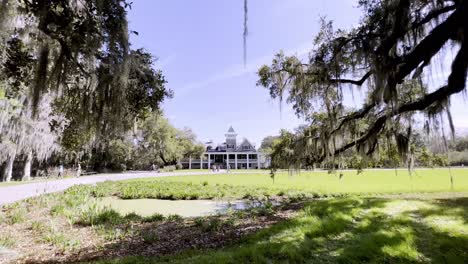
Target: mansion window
(253, 156)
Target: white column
(258, 161)
(190, 162)
(247, 160)
(227, 159)
(235, 161)
(201, 161)
(209, 161)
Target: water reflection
(184, 208)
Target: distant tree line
(425, 151)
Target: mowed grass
(337, 228)
(367, 182)
(350, 230)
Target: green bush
(57, 238)
(16, 216)
(199, 221)
(133, 217)
(153, 218)
(169, 168)
(7, 241)
(212, 224)
(58, 209)
(112, 233)
(37, 226)
(174, 218)
(149, 236)
(94, 215)
(458, 158)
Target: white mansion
(238, 156)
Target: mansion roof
(232, 146)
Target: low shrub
(37, 226)
(149, 236)
(112, 233)
(174, 218)
(7, 241)
(95, 215)
(153, 218)
(169, 168)
(58, 209)
(133, 217)
(458, 158)
(158, 189)
(199, 221)
(16, 215)
(212, 224)
(61, 240)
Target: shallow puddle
(184, 208)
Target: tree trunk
(190, 163)
(27, 167)
(8, 171)
(163, 159)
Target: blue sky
(199, 46)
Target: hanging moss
(387, 56)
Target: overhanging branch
(355, 82)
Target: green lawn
(207, 170)
(354, 221)
(369, 181)
(350, 230)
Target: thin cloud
(239, 70)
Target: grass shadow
(345, 230)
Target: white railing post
(227, 159)
(235, 161)
(209, 161)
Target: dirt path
(10, 194)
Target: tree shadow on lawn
(379, 236)
(351, 230)
(159, 237)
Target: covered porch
(236, 160)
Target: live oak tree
(159, 139)
(189, 146)
(76, 53)
(267, 144)
(388, 55)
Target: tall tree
(387, 56)
(267, 143)
(76, 53)
(159, 138)
(189, 145)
